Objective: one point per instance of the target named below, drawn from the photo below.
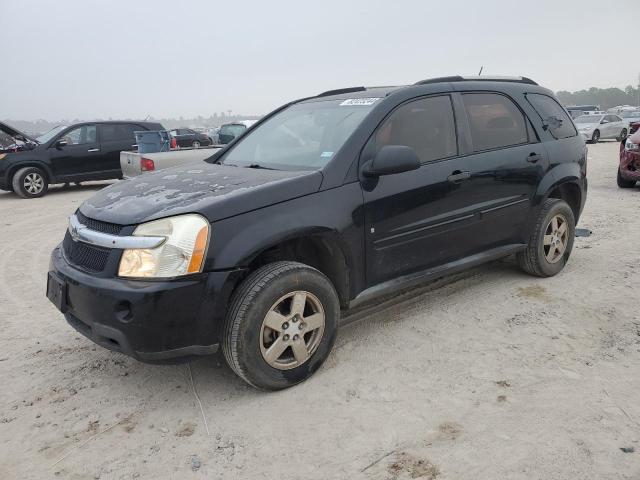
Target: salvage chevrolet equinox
(326, 203)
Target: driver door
(80, 156)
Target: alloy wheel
(33, 183)
(555, 239)
(292, 330)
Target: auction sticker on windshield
(360, 101)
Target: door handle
(534, 157)
(457, 176)
(93, 150)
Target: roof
(379, 92)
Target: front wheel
(623, 183)
(281, 325)
(595, 138)
(623, 135)
(30, 182)
(551, 241)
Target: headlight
(631, 146)
(183, 252)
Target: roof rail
(342, 90)
(458, 78)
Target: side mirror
(604, 121)
(61, 143)
(392, 159)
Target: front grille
(97, 225)
(88, 257)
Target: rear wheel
(624, 183)
(595, 137)
(281, 325)
(195, 144)
(30, 182)
(551, 241)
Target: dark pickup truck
(76, 153)
(325, 204)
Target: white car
(597, 127)
(629, 117)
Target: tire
(247, 338)
(595, 137)
(623, 183)
(30, 182)
(623, 135)
(538, 259)
(195, 144)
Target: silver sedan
(600, 126)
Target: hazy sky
(117, 58)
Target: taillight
(146, 164)
(173, 143)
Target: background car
(231, 131)
(629, 117)
(577, 110)
(81, 152)
(186, 137)
(629, 168)
(597, 127)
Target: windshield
(588, 119)
(44, 138)
(630, 115)
(234, 130)
(305, 136)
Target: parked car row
(90, 151)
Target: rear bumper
(152, 321)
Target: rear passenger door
(505, 163)
(114, 138)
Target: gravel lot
(489, 375)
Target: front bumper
(152, 321)
(630, 165)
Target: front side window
(81, 135)
(426, 125)
(304, 136)
(552, 115)
(494, 121)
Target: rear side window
(553, 115)
(426, 125)
(114, 132)
(494, 121)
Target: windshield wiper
(257, 165)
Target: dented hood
(215, 191)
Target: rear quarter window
(552, 115)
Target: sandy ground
(492, 375)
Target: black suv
(325, 204)
(81, 152)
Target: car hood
(215, 191)
(17, 134)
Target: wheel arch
(318, 247)
(11, 171)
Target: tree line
(605, 97)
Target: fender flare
(30, 163)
